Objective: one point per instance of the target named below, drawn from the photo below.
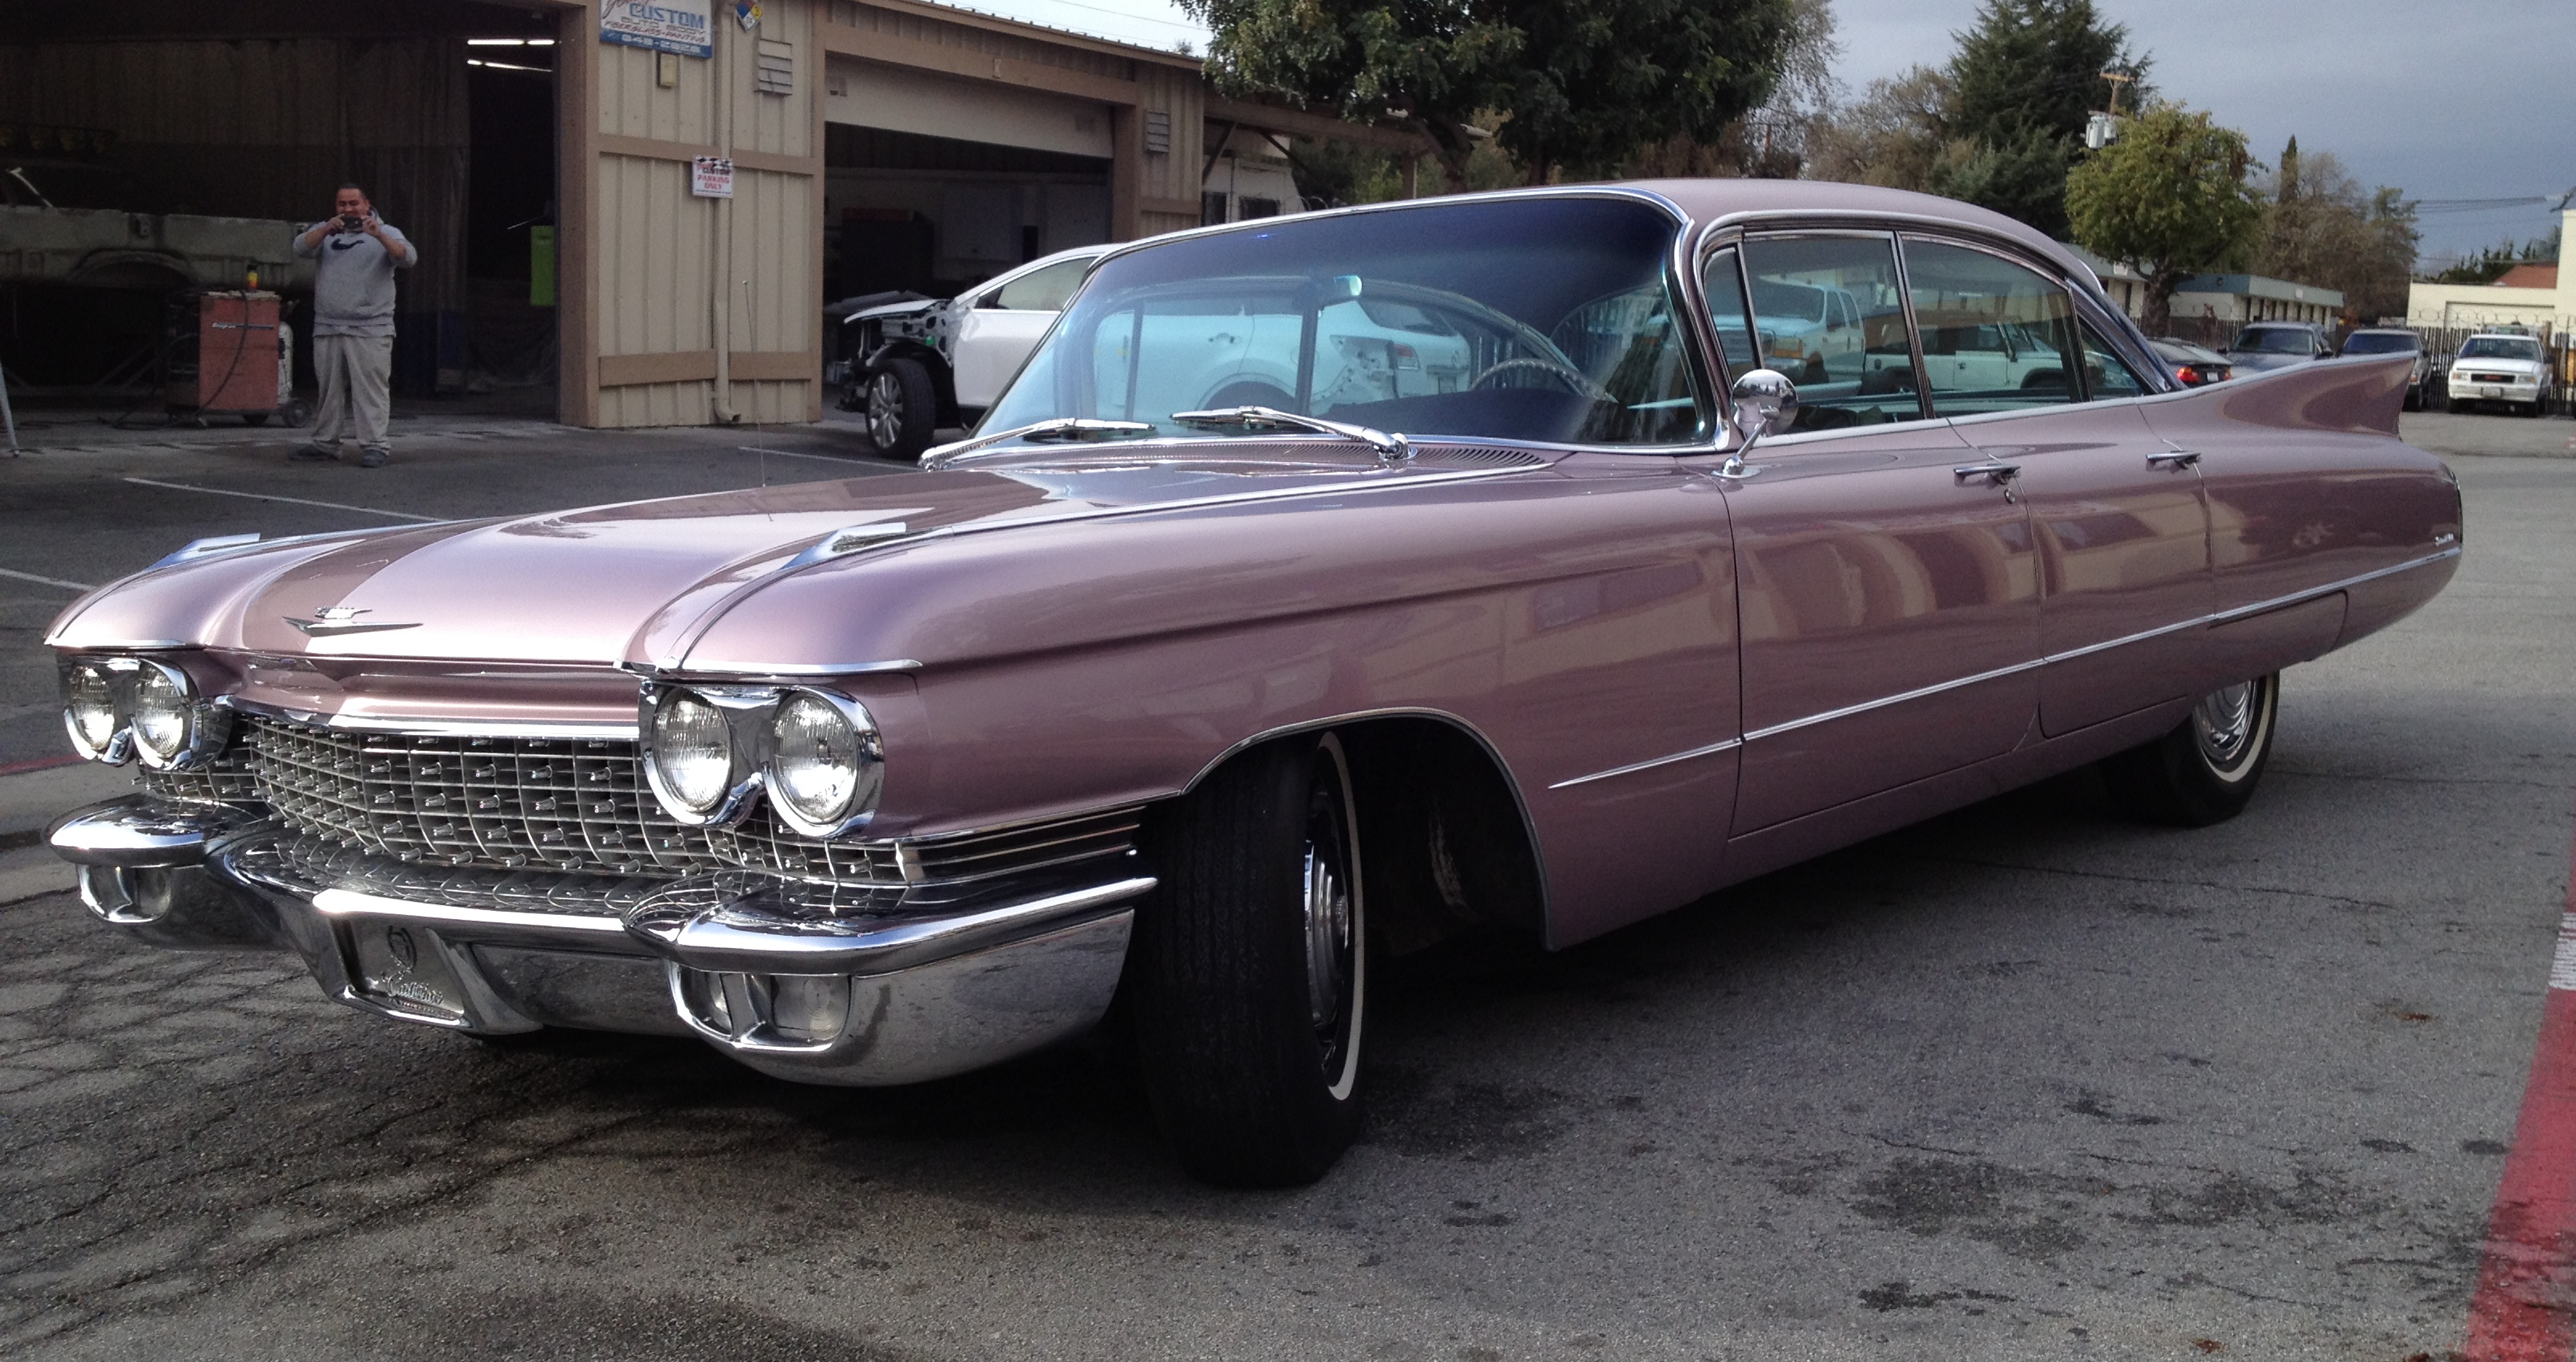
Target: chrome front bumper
(816, 983)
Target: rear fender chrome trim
(1633, 767)
(2196, 622)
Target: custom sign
(682, 26)
(711, 177)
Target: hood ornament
(331, 621)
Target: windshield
(1533, 319)
(2500, 347)
(2380, 343)
(2275, 340)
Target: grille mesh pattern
(575, 805)
(565, 803)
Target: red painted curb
(19, 768)
(2527, 1273)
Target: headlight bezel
(117, 748)
(751, 713)
(742, 774)
(205, 726)
(867, 766)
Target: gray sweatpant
(355, 371)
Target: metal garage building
(873, 144)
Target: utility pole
(2118, 78)
(2102, 129)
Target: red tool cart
(245, 361)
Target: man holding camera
(355, 257)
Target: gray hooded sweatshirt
(353, 282)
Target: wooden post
(576, 217)
(1412, 172)
(1126, 172)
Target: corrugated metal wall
(687, 288)
(269, 127)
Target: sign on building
(682, 26)
(711, 177)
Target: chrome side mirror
(1766, 402)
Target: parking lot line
(46, 581)
(794, 454)
(2527, 1271)
(300, 501)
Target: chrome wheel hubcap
(1328, 942)
(2224, 721)
(885, 410)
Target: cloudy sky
(2444, 99)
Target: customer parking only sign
(681, 26)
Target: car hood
(639, 582)
(884, 310)
(2497, 366)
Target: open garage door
(937, 183)
(164, 148)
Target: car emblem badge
(333, 620)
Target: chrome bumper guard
(844, 984)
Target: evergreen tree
(2026, 78)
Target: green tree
(2169, 196)
(1892, 135)
(2320, 228)
(1582, 82)
(2025, 79)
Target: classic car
(1191, 713)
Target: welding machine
(243, 361)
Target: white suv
(2501, 368)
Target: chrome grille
(226, 780)
(577, 805)
(502, 803)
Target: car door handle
(1995, 471)
(2180, 458)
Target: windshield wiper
(1079, 428)
(1390, 448)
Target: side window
(1827, 312)
(1996, 337)
(1041, 290)
(2106, 375)
(1724, 284)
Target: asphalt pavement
(2028, 1081)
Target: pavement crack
(2343, 899)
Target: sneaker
(373, 456)
(316, 454)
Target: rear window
(2276, 340)
(2382, 343)
(2500, 347)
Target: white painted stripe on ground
(46, 581)
(300, 501)
(2562, 967)
(792, 454)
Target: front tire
(2205, 770)
(903, 408)
(1249, 968)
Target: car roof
(1705, 203)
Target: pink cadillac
(1323, 586)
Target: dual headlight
(120, 708)
(708, 748)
